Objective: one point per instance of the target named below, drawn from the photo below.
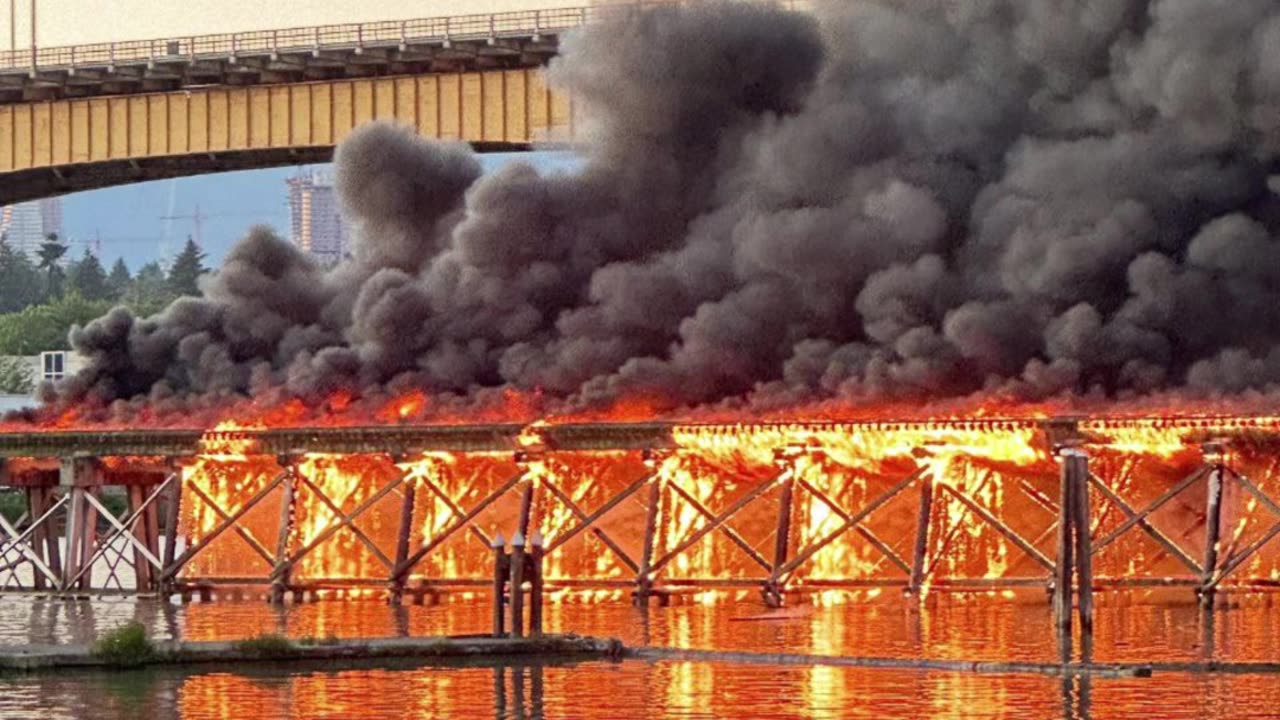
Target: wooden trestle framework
(70, 541)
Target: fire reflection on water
(1132, 627)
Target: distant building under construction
(316, 224)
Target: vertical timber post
(535, 584)
(500, 570)
(151, 535)
(88, 537)
(1076, 464)
(526, 506)
(1062, 571)
(138, 529)
(280, 574)
(53, 549)
(173, 512)
(76, 475)
(644, 583)
(515, 589)
(36, 508)
(786, 459)
(403, 540)
(923, 519)
(1212, 524)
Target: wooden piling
(535, 584)
(526, 507)
(1077, 466)
(644, 584)
(88, 539)
(173, 510)
(73, 532)
(1062, 605)
(781, 543)
(1212, 530)
(404, 537)
(280, 583)
(1062, 588)
(151, 535)
(53, 550)
(35, 508)
(500, 570)
(516, 588)
(923, 520)
(141, 569)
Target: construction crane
(197, 219)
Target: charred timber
(583, 437)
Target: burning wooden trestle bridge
(651, 511)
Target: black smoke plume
(876, 200)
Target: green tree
(19, 280)
(89, 279)
(149, 291)
(186, 271)
(15, 377)
(51, 252)
(119, 280)
(45, 327)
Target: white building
(316, 226)
(26, 225)
(47, 366)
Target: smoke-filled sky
(880, 200)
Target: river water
(1130, 627)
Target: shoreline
(34, 658)
(553, 648)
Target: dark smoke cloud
(879, 200)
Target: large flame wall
(993, 517)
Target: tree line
(41, 298)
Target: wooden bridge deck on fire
(651, 508)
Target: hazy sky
(68, 22)
(128, 219)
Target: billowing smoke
(878, 200)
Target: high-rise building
(317, 226)
(26, 225)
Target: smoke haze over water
(882, 200)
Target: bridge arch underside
(36, 183)
(61, 146)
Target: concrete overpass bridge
(92, 116)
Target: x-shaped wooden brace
(1139, 518)
(18, 541)
(124, 528)
(399, 572)
(1232, 563)
(455, 509)
(717, 522)
(340, 520)
(587, 521)
(848, 522)
(229, 521)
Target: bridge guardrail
(494, 26)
